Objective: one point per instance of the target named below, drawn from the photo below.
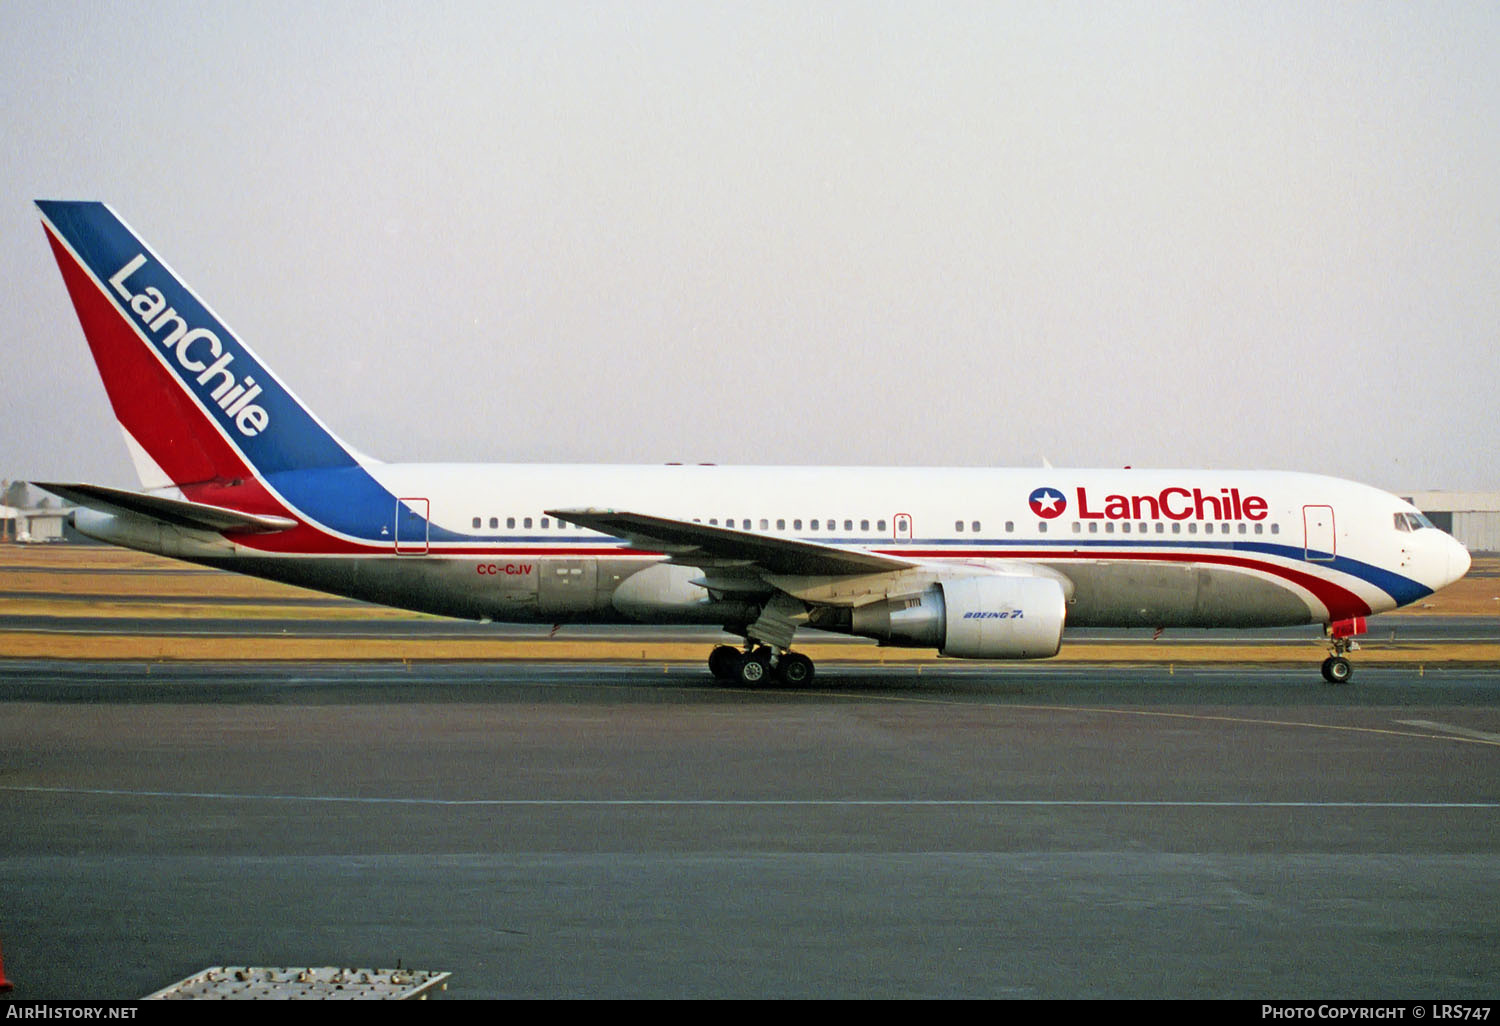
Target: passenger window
(1093, 528)
(796, 525)
(813, 525)
(1275, 528)
(864, 525)
(510, 521)
(1041, 526)
(494, 523)
(476, 521)
(848, 525)
(544, 523)
(974, 527)
(780, 525)
(526, 522)
(764, 525)
(880, 525)
(1010, 526)
(958, 525)
(1208, 528)
(1077, 527)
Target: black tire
(723, 661)
(1337, 670)
(796, 669)
(753, 669)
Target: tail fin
(198, 408)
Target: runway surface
(583, 830)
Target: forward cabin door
(1319, 542)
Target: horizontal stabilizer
(178, 512)
(683, 540)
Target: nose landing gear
(1336, 668)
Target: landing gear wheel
(722, 662)
(796, 669)
(754, 668)
(1337, 670)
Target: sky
(1097, 234)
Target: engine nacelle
(978, 617)
(1003, 617)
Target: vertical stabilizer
(196, 405)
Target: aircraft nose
(1459, 560)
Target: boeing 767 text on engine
(976, 563)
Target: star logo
(1048, 503)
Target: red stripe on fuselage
(1340, 601)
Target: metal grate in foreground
(327, 983)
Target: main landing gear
(760, 666)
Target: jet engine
(973, 617)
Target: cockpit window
(1411, 522)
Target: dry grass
(173, 609)
(1478, 594)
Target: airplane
(976, 563)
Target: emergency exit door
(411, 526)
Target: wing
(703, 545)
(177, 512)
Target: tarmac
(607, 830)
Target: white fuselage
(1136, 547)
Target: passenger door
(1320, 542)
(411, 526)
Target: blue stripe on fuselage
(350, 501)
(1403, 589)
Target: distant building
(1471, 517)
(35, 525)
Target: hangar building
(1471, 517)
